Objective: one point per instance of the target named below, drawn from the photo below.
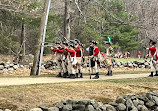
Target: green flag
(109, 38)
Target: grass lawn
(29, 96)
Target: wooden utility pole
(67, 19)
(34, 69)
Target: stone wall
(129, 102)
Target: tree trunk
(22, 53)
(34, 69)
(67, 19)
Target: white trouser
(64, 64)
(59, 66)
(71, 68)
(79, 63)
(154, 65)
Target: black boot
(107, 74)
(110, 74)
(151, 75)
(96, 76)
(156, 73)
(81, 76)
(59, 75)
(65, 75)
(72, 76)
(76, 75)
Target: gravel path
(44, 80)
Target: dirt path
(44, 80)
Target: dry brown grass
(25, 72)
(25, 97)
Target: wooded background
(131, 23)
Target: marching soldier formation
(69, 57)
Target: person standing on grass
(95, 59)
(139, 54)
(154, 58)
(109, 55)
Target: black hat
(91, 41)
(71, 41)
(94, 42)
(71, 45)
(77, 41)
(152, 42)
(65, 43)
(108, 43)
(82, 45)
(57, 42)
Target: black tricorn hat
(108, 43)
(77, 41)
(152, 42)
(91, 41)
(57, 42)
(94, 42)
(65, 43)
(71, 45)
(82, 45)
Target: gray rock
(94, 104)
(120, 100)
(129, 96)
(142, 108)
(79, 107)
(91, 108)
(15, 67)
(59, 105)
(138, 102)
(53, 109)
(7, 66)
(155, 98)
(121, 107)
(143, 98)
(100, 104)
(11, 65)
(134, 109)
(84, 102)
(7, 110)
(10, 69)
(149, 104)
(5, 70)
(109, 107)
(36, 109)
(156, 109)
(1, 67)
(103, 108)
(67, 108)
(43, 107)
(113, 104)
(2, 63)
(149, 96)
(69, 102)
(21, 66)
(129, 103)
